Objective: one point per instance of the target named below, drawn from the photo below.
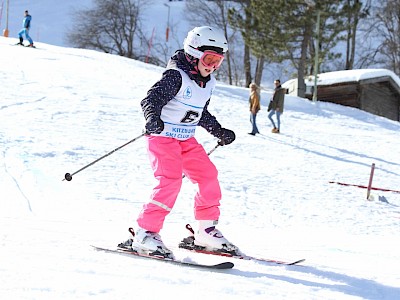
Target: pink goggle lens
(212, 59)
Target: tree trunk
(247, 65)
(228, 57)
(301, 86)
(259, 70)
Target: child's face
(204, 71)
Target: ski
(220, 266)
(27, 46)
(279, 262)
(244, 257)
(188, 244)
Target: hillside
(63, 108)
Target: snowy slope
(62, 108)
(52, 20)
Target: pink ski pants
(170, 158)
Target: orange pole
(5, 31)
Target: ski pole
(209, 152)
(213, 149)
(68, 176)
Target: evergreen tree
(285, 30)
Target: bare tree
(378, 36)
(388, 27)
(112, 26)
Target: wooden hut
(376, 91)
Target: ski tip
(224, 265)
(296, 262)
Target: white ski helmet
(205, 38)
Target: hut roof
(337, 77)
(352, 76)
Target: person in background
(254, 102)
(276, 106)
(173, 108)
(26, 25)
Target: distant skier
(173, 108)
(26, 25)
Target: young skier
(173, 108)
(26, 25)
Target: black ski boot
(21, 40)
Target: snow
(352, 76)
(52, 20)
(343, 76)
(63, 108)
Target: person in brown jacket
(276, 105)
(254, 101)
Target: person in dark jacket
(276, 106)
(26, 25)
(173, 108)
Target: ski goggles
(211, 59)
